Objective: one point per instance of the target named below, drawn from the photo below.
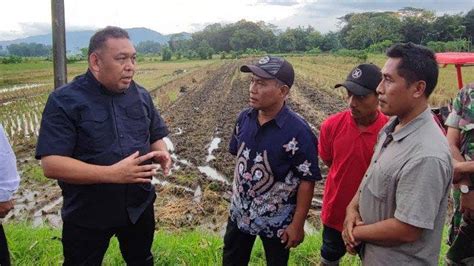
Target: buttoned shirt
(85, 121)
(408, 179)
(272, 159)
(9, 178)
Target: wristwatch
(465, 188)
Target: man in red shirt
(346, 145)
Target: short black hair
(417, 63)
(101, 36)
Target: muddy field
(196, 194)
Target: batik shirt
(272, 159)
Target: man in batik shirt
(276, 167)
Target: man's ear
(94, 61)
(420, 87)
(285, 90)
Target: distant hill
(75, 40)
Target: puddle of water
(212, 173)
(179, 132)
(164, 183)
(20, 87)
(175, 158)
(214, 145)
(185, 162)
(197, 195)
(169, 144)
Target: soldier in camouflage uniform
(460, 136)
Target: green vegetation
(29, 49)
(368, 31)
(42, 246)
(34, 173)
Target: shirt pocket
(94, 128)
(378, 184)
(137, 123)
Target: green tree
(448, 28)
(166, 54)
(363, 29)
(245, 38)
(149, 47)
(468, 23)
(314, 39)
(84, 52)
(416, 25)
(330, 42)
(179, 42)
(204, 50)
(29, 49)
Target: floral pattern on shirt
(260, 205)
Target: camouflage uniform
(461, 233)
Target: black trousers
(238, 247)
(86, 246)
(4, 254)
(333, 247)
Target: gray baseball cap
(272, 67)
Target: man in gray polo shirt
(397, 216)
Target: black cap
(363, 79)
(272, 67)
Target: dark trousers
(86, 246)
(333, 247)
(4, 254)
(238, 247)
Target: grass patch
(34, 172)
(42, 246)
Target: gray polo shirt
(408, 179)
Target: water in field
(212, 173)
(20, 87)
(212, 146)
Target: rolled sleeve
(422, 186)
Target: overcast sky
(22, 18)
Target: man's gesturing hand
(129, 169)
(164, 159)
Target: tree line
(367, 31)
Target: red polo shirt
(350, 150)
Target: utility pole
(59, 43)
